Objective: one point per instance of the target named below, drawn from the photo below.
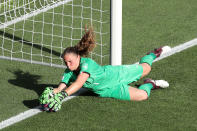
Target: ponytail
(84, 46)
(87, 43)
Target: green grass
(153, 23)
(146, 25)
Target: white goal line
(32, 62)
(36, 12)
(36, 110)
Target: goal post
(37, 31)
(116, 32)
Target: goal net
(37, 31)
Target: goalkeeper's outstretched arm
(75, 86)
(62, 86)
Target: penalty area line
(36, 110)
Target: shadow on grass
(30, 82)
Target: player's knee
(144, 97)
(140, 95)
(146, 69)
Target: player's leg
(146, 69)
(143, 92)
(148, 59)
(137, 94)
(125, 92)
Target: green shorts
(119, 87)
(120, 91)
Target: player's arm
(51, 99)
(75, 86)
(61, 87)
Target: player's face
(72, 61)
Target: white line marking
(33, 62)
(36, 110)
(178, 48)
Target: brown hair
(84, 46)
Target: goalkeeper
(106, 81)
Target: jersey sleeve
(66, 77)
(85, 67)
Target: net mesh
(38, 31)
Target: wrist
(64, 93)
(56, 90)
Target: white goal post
(37, 31)
(116, 32)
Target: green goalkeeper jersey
(104, 77)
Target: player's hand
(61, 95)
(46, 96)
(58, 98)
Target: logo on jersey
(85, 66)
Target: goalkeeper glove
(58, 98)
(46, 97)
